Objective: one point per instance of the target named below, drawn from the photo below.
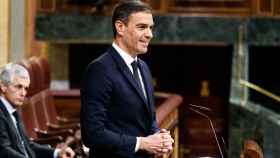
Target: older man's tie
(20, 132)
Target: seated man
(14, 82)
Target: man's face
(137, 33)
(15, 93)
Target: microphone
(201, 107)
(221, 137)
(224, 145)
(211, 124)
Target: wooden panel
(265, 7)
(66, 6)
(212, 6)
(46, 5)
(193, 7)
(277, 7)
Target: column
(4, 31)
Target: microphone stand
(211, 124)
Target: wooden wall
(189, 7)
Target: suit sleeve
(96, 99)
(154, 128)
(42, 151)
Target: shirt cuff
(137, 144)
(56, 153)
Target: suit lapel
(24, 136)
(146, 78)
(15, 136)
(9, 119)
(128, 75)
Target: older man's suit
(114, 109)
(10, 145)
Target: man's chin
(18, 104)
(143, 51)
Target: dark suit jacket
(10, 145)
(114, 110)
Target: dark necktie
(20, 132)
(136, 76)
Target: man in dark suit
(14, 143)
(118, 117)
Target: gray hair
(10, 70)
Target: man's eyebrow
(143, 24)
(21, 85)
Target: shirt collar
(125, 56)
(7, 105)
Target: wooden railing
(168, 117)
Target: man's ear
(120, 27)
(2, 88)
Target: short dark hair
(125, 8)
